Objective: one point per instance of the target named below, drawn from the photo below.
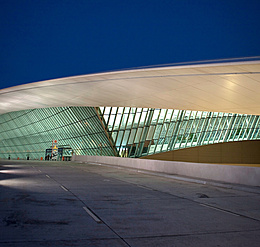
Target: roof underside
(223, 87)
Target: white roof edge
(37, 83)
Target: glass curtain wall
(29, 133)
(113, 131)
(137, 132)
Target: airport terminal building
(137, 113)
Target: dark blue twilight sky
(46, 39)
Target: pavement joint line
(191, 200)
(98, 220)
(64, 188)
(101, 220)
(254, 190)
(192, 234)
(160, 234)
(94, 213)
(54, 240)
(219, 209)
(155, 174)
(147, 188)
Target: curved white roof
(222, 87)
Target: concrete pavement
(69, 204)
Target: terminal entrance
(62, 154)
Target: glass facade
(139, 132)
(31, 132)
(118, 131)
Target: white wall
(244, 175)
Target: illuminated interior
(118, 131)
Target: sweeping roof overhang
(220, 87)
